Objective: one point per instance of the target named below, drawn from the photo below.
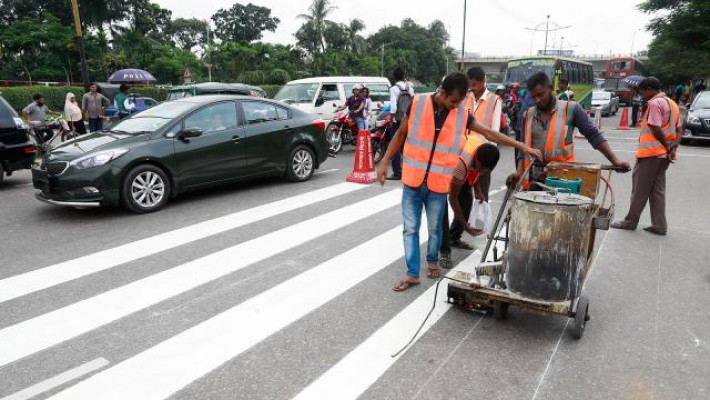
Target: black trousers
(634, 114)
(454, 232)
(78, 127)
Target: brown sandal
(404, 285)
(433, 273)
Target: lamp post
(463, 38)
(547, 30)
(80, 44)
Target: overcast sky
(493, 27)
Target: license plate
(40, 180)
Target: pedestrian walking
(636, 101)
(433, 133)
(658, 144)
(401, 94)
(72, 111)
(94, 106)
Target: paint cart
(543, 249)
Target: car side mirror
(320, 101)
(190, 133)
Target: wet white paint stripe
(58, 380)
(49, 329)
(326, 171)
(355, 373)
(44, 278)
(168, 367)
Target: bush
(271, 90)
(252, 77)
(54, 96)
(277, 77)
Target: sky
(493, 28)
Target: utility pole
(547, 31)
(463, 40)
(207, 51)
(80, 44)
(382, 64)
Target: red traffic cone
(624, 123)
(364, 168)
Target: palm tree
(318, 18)
(355, 40)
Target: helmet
(358, 86)
(515, 85)
(500, 87)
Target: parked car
(607, 101)
(148, 158)
(696, 126)
(205, 88)
(16, 149)
(320, 95)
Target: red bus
(617, 69)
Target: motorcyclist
(355, 105)
(37, 112)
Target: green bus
(579, 73)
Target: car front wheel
(146, 188)
(300, 164)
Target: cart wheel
(581, 317)
(500, 310)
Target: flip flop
(433, 273)
(445, 262)
(404, 285)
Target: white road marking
(173, 364)
(326, 171)
(43, 278)
(549, 362)
(31, 336)
(352, 375)
(58, 380)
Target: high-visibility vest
(484, 115)
(648, 145)
(553, 144)
(473, 142)
(420, 140)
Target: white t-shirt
(394, 94)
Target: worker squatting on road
(658, 144)
(434, 133)
(549, 127)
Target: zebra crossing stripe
(43, 278)
(164, 369)
(355, 373)
(33, 335)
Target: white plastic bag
(481, 216)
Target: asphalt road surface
(273, 290)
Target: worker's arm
(395, 144)
(458, 211)
(504, 140)
(594, 136)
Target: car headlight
(692, 119)
(97, 159)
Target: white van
(322, 95)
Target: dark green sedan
(143, 161)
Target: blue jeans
(397, 158)
(360, 122)
(413, 200)
(95, 124)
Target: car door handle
(236, 139)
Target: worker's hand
(512, 179)
(382, 172)
(473, 231)
(623, 166)
(673, 154)
(532, 153)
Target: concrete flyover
(496, 65)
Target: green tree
(317, 21)
(681, 46)
(243, 24)
(356, 42)
(188, 33)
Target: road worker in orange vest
(549, 125)
(486, 107)
(657, 147)
(433, 133)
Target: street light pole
(80, 44)
(633, 40)
(207, 51)
(382, 64)
(547, 30)
(463, 39)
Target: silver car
(608, 102)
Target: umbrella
(131, 75)
(634, 80)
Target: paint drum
(549, 239)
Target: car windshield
(297, 93)
(140, 124)
(601, 96)
(521, 73)
(611, 84)
(170, 109)
(703, 101)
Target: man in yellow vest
(433, 134)
(549, 126)
(658, 143)
(486, 107)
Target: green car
(143, 161)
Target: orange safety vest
(474, 141)
(554, 144)
(648, 145)
(420, 140)
(484, 115)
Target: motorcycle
(342, 130)
(58, 127)
(378, 134)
